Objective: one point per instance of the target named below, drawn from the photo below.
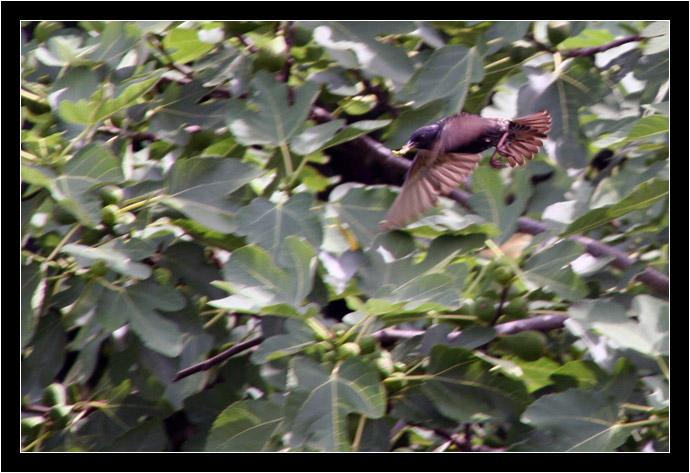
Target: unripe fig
(54, 395)
(557, 31)
(111, 194)
(395, 382)
(384, 364)
(348, 350)
(109, 214)
(521, 50)
(60, 415)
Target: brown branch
(499, 307)
(206, 364)
(247, 43)
(541, 323)
(651, 277)
(289, 38)
(591, 51)
(582, 52)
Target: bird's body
(449, 152)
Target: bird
(448, 152)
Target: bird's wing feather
(431, 175)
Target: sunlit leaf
(353, 44)
(278, 120)
(198, 188)
(245, 426)
(116, 260)
(185, 45)
(659, 37)
(407, 279)
(642, 196)
(462, 388)
(323, 398)
(314, 138)
(297, 338)
(649, 126)
(550, 269)
(447, 75)
(575, 421)
(136, 305)
(260, 281)
(488, 201)
(587, 38)
(268, 224)
(647, 332)
(563, 94)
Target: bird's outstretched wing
(431, 174)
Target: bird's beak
(404, 150)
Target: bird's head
(423, 138)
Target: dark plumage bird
(448, 152)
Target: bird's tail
(526, 135)
(539, 122)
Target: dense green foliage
(201, 189)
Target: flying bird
(448, 152)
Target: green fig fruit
(348, 350)
(54, 395)
(111, 194)
(521, 50)
(557, 31)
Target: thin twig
(501, 302)
(247, 43)
(289, 38)
(206, 364)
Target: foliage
(202, 267)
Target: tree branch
(206, 364)
(591, 51)
(289, 38)
(582, 52)
(541, 323)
